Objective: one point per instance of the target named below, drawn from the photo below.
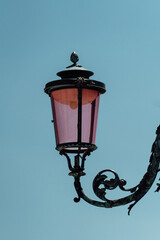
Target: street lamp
(75, 103)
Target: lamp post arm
(137, 192)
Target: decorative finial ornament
(74, 58)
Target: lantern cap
(74, 76)
(75, 70)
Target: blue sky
(120, 42)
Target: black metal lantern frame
(79, 83)
(77, 77)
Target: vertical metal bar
(79, 115)
(76, 162)
(92, 120)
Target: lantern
(75, 102)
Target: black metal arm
(137, 192)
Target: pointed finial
(74, 58)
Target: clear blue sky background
(120, 41)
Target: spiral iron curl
(137, 192)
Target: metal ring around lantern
(75, 83)
(69, 147)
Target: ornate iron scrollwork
(101, 179)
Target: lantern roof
(74, 76)
(75, 70)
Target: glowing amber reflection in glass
(70, 97)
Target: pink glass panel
(89, 115)
(65, 114)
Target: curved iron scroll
(137, 192)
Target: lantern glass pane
(65, 114)
(90, 106)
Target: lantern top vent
(75, 70)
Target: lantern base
(74, 147)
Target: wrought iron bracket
(101, 179)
